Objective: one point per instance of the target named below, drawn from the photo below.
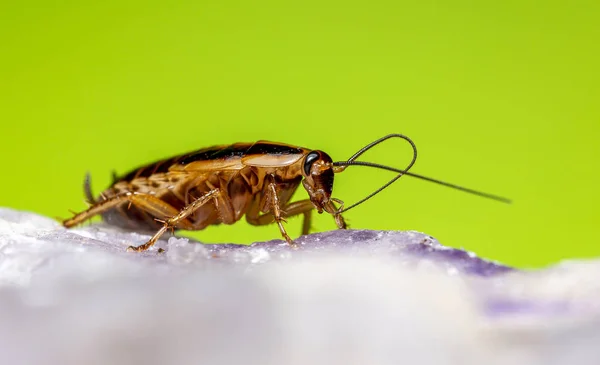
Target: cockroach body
(218, 185)
(221, 184)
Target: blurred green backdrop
(499, 96)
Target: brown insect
(221, 184)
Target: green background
(499, 96)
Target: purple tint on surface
(375, 243)
(362, 235)
(503, 307)
(464, 261)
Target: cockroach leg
(304, 207)
(223, 206)
(176, 219)
(300, 207)
(306, 222)
(87, 189)
(276, 210)
(148, 203)
(340, 222)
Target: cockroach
(221, 184)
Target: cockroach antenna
(341, 165)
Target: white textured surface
(76, 297)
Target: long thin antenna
(405, 172)
(376, 142)
(368, 147)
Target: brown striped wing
(235, 156)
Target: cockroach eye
(310, 159)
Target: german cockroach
(221, 184)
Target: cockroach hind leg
(139, 248)
(150, 242)
(142, 248)
(173, 221)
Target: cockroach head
(317, 169)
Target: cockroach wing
(268, 160)
(210, 165)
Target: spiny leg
(276, 210)
(339, 220)
(223, 206)
(87, 189)
(148, 203)
(176, 219)
(254, 217)
(304, 207)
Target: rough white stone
(344, 297)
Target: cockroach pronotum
(221, 184)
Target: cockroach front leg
(339, 220)
(173, 221)
(329, 206)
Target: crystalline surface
(342, 297)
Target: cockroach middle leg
(276, 210)
(276, 213)
(304, 207)
(176, 219)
